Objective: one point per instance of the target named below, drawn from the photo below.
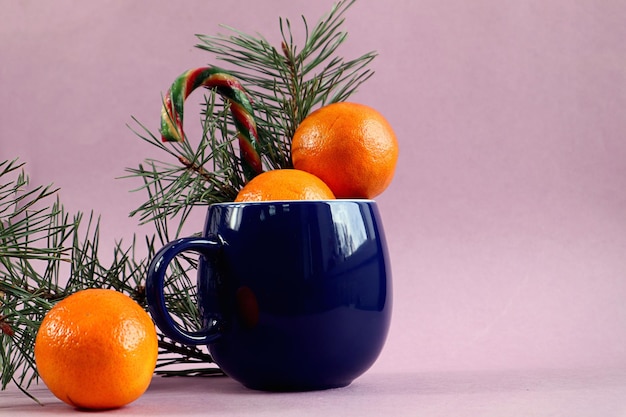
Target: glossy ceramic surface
(293, 295)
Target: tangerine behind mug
(294, 295)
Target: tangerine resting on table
(285, 184)
(349, 146)
(96, 349)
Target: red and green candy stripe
(231, 90)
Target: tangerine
(96, 349)
(285, 184)
(349, 146)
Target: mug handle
(156, 298)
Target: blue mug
(294, 295)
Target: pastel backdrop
(506, 220)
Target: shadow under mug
(293, 295)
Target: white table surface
(571, 393)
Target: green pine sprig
(285, 83)
(46, 254)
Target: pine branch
(208, 174)
(288, 83)
(285, 85)
(48, 255)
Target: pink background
(506, 221)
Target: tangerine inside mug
(294, 295)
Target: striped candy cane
(232, 91)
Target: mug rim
(268, 202)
